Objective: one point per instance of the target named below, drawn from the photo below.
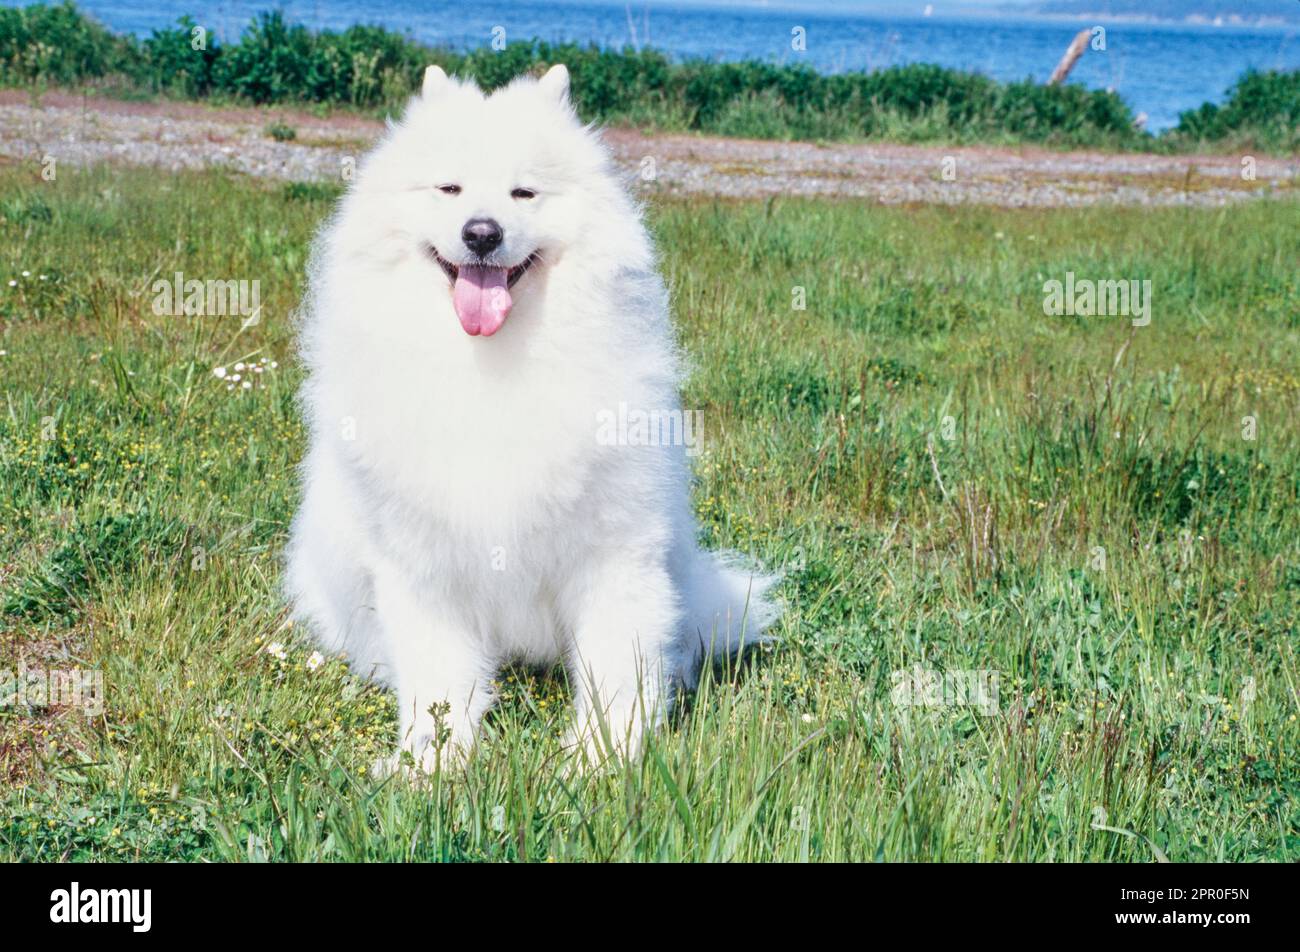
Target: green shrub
(1263, 110)
(281, 132)
(170, 62)
(57, 44)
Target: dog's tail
(728, 608)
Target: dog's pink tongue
(481, 299)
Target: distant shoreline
(372, 68)
(1194, 20)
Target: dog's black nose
(481, 236)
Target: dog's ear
(435, 81)
(555, 83)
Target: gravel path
(176, 136)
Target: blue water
(1158, 69)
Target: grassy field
(949, 478)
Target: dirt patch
(174, 136)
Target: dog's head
(487, 191)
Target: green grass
(376, 70)
(144, 540)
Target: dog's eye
(523, 193)
(449, 189)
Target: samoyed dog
(483, 298)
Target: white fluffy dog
(483, 297)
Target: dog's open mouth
(480, 293)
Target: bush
(281, 132)
(59, 45)
(170, 63)
(1263, 110)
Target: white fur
(459, 510)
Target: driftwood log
(1076, 49)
